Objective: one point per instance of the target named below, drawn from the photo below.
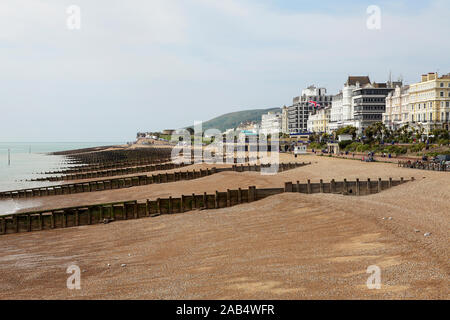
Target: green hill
(233, 119)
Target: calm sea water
(28, 161)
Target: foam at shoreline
(11, 206)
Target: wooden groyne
(109, 212)
(112, 172)
(258, 168)
(109, 184)
(134, 181)
(108, 166)
(111, 156)
(117, 169)
(356, 188)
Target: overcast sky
(140, 65)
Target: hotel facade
(430, 102)
(318, 120)
(369, 104)
(361, 103)
(397, 108)
(298, 113)
(341, 113)
(271, 123)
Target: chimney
(424, 78)
(432, 76)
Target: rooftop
(352, 80)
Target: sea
(29, 160)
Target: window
(431, 116)
(442, 84)
(442, 93)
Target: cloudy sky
(155, 64)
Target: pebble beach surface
(288, 246)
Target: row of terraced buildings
(360, 103)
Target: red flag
(314, 103)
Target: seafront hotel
(429, 102)
(424, 106)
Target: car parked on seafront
(442, 158)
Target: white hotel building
(299, 112)
(397, 108)
(359, 104)
(271, 123)
(342, 111)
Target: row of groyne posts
(108, 166)
(109, 212)
(127, 157)
(112, 172)
(116, 170)
(135, 181)
(425, 165)
(94, 156)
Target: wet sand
(289, 246)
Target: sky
(149, 65)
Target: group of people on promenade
(425, 165)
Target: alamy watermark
(374, 280)
(74, 281)
(374, 20)
(73, 21)
(234, 147)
